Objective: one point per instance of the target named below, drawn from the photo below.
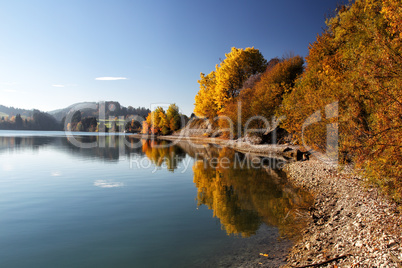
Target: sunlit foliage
(352, 79)
(161, 122)
(357, 62)
(223, 85)
(262, 100)
(205, 99)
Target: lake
(116, 201)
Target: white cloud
(106, 184)
(110, 78)
(56, 174)
(58, 85)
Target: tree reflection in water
(161, 152)
(241, 198)
(244, 198)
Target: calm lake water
(132, 203)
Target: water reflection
(87, 204)
(160, 152)
(109, 148)
(243, 191)
(242, 196)
(16, 143)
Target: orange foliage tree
(255, 107)
(357, 62)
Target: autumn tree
(238, 66)
(224, 84)
(161, 122)
(356, 62)
(268, 92)
(255, 106)
(205, 105)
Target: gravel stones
(349, 224)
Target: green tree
(173, 117)
(18, 121)
(76, 117)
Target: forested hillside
(349, 85)
(107, 116)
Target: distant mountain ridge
(110, 108)
(69, 107)
(11, 111)
(94, 109)
(59, 114)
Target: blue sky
(52, 52)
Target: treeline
(107, 108)
(11, 111)
(87, 124)
(131, 124)
(159, 122)
(352, 80)
(38, 121)
(116, 119)
(245, 91)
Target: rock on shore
(352, 225)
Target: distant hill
(60, 113)
(111, 108)
(3, 114)
(89, 113)
(11, 111)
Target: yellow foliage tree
(224, 84)
(204, 100)
(161, 122)
(239, 65)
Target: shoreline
(349, 225)
(265, 150)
